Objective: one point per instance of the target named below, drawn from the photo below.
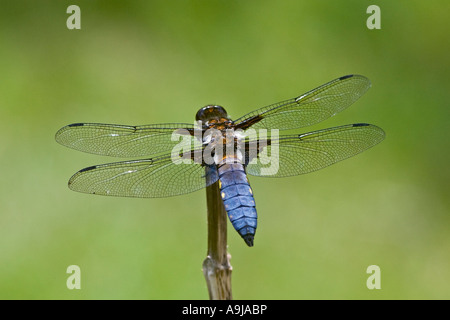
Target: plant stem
(216, 266)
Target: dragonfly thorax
(220, 143)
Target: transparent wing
(122, 141)
(304, 153)
(147, 178)
(309, 108)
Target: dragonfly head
(211, 113)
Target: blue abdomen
(238, 199)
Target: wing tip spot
(361, 124)
(346, 77)
(88, 169)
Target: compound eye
(211, 112)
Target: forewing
(304, 153)
(148, 178)
(309, 108)
(123, 141)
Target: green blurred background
(142, 62)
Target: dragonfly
(179, 158)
